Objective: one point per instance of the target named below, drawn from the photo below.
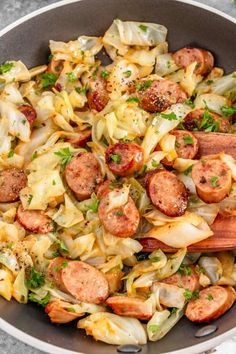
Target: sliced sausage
(104, 188)
(83, 174)
(34, 220)
(55, 66)
(195, 121)
(190, 282)
(124, 159)
(114, 279)
(186, 145)
(80, 139)
(59, 312)
(186, 56)
(81, 280)
(212, 179)
(121, 221)
(168, 194)
(131, 307)
(97, 95)
(29, 113)
(211, 304)
(158, 95)
(11, 182)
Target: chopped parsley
(29, 200)
(132, 99)
(35, 279)
(156, 164)
(185, 270)
(228, 110)
(214, 181)
(48, 79)
(209, 82)
(173, 310)
(11, 153)
(141, 256)
(143, 28)
(94, 203)
(105, 74)
(127, 73)
(71, 76)
(23, 121)
(62, 266)
(50, 57)
(169, 116)
(119, 213)
(43, 302)
(65, 154)
(81, 89)
(208, 124)
(62, 246)
(144, 85)
(210, 297)
(4, 68)
(188, 140)
(70, 309)
(189, 295)
(153, 328)
(188, 170)
(154, 259)
(34, 155)
(193, 199)
(115, 157)
(168, 64)
(189, 103)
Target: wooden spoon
(224, 227)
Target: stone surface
(12, 10)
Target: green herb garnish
(214, 181)
(228, 110)
(43, 302)
(4, 68)
(143, 28)
(48, 79)
(119, 213)
(189, 295)
(34, 155)
(153, 328)
(115, 157)
(94, 203)
(132, 99)
(190, 103)
(29, 200)
(141, 256)
(185, 270)
(127, 73)
(144, 85)
(11, 153)
(210, 297)
(65, 154)
(105, 74)
(169, 116)
(35, 279)
(188, 140)
(71, 76)
(188, 170)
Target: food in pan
(109, 179)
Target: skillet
(188, 23)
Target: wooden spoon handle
(214, 143)
(224, 238)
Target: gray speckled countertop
(12, 10)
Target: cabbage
(165, 64)
(12, 94)
(117, 198)
(113, 329)
(18, 125)
(8, 259)
(79, 247)
(227, 261)
(114, 262)
(18, 72)
(157, 218)
(207, 211)
(212, 101)
(161, 126)
(141, 34)
(38, 251)
(185, 178)
(20, 291)
(6, 284)
(68, 215)
(45, 107)
(5, 140)
(190, 80)
(161, 323)
(112, 42)
(192, 228)
(228, 205)
(172, 265)
(144, 57)
(8, 232)
(182, 165)
(167, 144)
(37, 70)
(230, 162)
(12, 161)
(212, 268)
(169, 295)
(220, 86)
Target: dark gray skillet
(188, 24)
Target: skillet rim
(53, 349)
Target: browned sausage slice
(81, 138)
(158, 95)
(83, 174)
(186, 56)
(131, 307)
(104, 188)
(200, 119)
(212, 179)
(168, 194)
(190, 282)
(124, 159)
(211, 304)
(97, 95)
(59, 312)
(186, 145)
(29, 112)
(34, 220)
(81, 280)
(11, 183)
(122, 221)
